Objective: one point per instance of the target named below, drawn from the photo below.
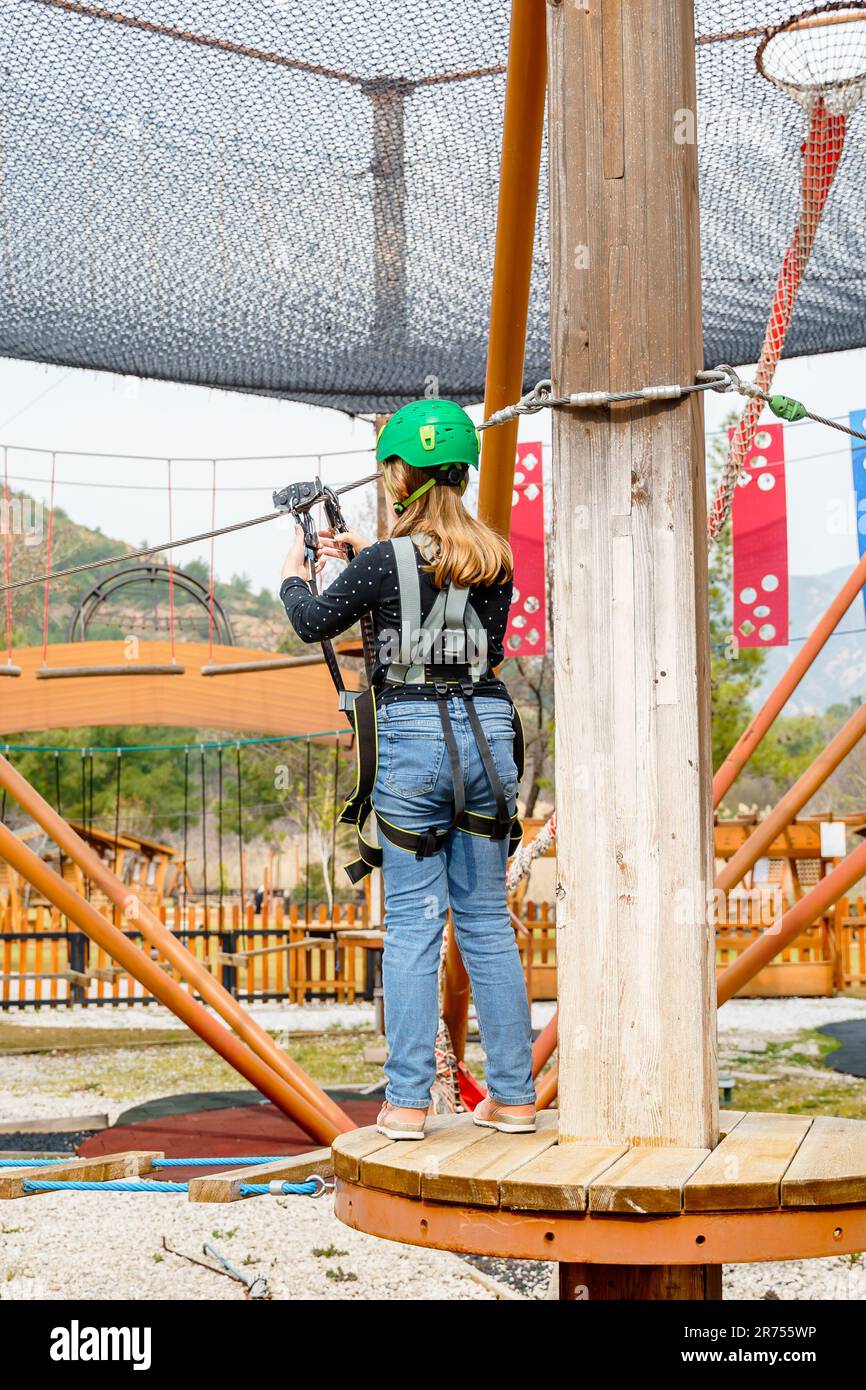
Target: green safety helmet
(437, 436)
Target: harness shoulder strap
(409, 586)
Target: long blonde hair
(465, 552)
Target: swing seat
(10, 670)
(129, 668)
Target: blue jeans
(414, 790)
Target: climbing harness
(454, 637)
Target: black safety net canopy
(299, 198)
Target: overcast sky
(51, 408)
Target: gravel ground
(775, 1018)
(83, 1246)
(293, 1018)
(306, 1018)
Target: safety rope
(240, 825)
(170, 747)
(48, 574)
(313, 1187)
(170, 564)
(7, 536)
(526, 855)
(220, 875)
(722, 379)
(212, 583)
(146, 550)
(822, 151)
(204, 833)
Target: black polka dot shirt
(369, 585)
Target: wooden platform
(775, 1187)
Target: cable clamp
(727, 379)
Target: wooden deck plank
(560, 1178)
(646, 1179)
(829, 1168)
(226, 1185)
(745, 1171)
(728, 1120)
(401, 1167)
(104, 1168)
(474, 1174)
(349, 1149)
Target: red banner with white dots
(526, 634)
(760, 543)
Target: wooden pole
(637, 1049)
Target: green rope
(164, 747)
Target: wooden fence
(270, 955)
(276, 955)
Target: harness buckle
(441, 688)
(428, 844)
(467, 689)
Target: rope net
(300, 199)
(819, 59)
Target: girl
(445, 778)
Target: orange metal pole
(520, 165)
(193, 970)
(523, 125)
(785, 687)
(826, 892)
(110, 939)
(545, 1091)
(545, 1044)
(793, 801)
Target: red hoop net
(819, 58)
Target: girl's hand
(294, 565)
(332, 545)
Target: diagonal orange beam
(158, 935)
(809, 908)
(793, 801)
(142, 968)
(787, 684)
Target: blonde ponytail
(464, 551)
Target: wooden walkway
(763, 1162)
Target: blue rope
(115, 1185)
(217, 1162)
(33, 1162)
(278, 1189)
(247, 1189)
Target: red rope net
(819, 59)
